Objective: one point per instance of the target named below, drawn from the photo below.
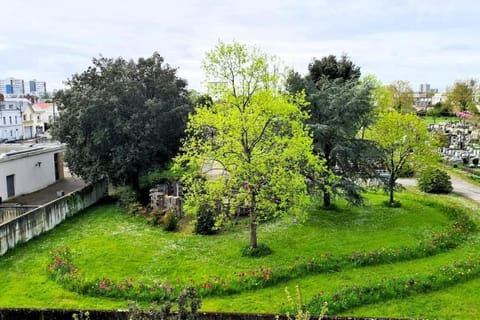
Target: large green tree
(340, 107)
(401, 96)
(248, 149)
(405, 141)
(461, 96)
(121, 117)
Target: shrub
(135, 208)
(205, 220)
(156, 217)
(435, 181)
(170, 221)
(406, 171)
(124, 195)
(260, 251)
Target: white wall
(29, 176)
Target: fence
(44, 218)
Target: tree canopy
(405, 140)
(401, 96)
(461, 96)
(340, 107)
(249, 148)
(119, 118)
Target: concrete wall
(46, 217)
(8, 213)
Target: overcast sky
(427, 41)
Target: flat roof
(10, 151)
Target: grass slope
(110, 243)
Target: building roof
(43, 105)
(11, 151)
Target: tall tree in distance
(248, 149)
(120, 117)
(461, 96)
(340, 106)
(402, 96)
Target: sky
(428, 41)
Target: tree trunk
(391, 186)
(327, 199)
(253, 222)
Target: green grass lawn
(108, 242)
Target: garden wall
(51, 314)
(46, 217)
(9, 212)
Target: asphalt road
(460, 187)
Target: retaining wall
(10, 212)
(46, 217)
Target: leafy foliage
(405, 140)
(340, 109)
(461, 96)
(248, 149)
(402, 96)
(260, 251)
(119, 118)
(435, 180)
(205, 220)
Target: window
(4, 120)
(31, 117)
(16, 120)
(38, 118)
(24, 117)
(10, 117)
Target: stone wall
(46, 217)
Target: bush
(205, 220)
(260, 251)
(170, 221)
(435, 181)
(124, 195)
(406, 171)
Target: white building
(37, 88)
(11, 127)
(48, 111)
(438, 97)
(33, 123)
(25, 169)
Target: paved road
(460, 187)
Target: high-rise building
(37, 88)
(12, 86)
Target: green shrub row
(64, 271)
(391, 288)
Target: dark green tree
(332, 69)
(119, 118)
(340, 107)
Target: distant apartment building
(18, 87)
(37, 88)
(12, 86)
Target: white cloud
(423, 41)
